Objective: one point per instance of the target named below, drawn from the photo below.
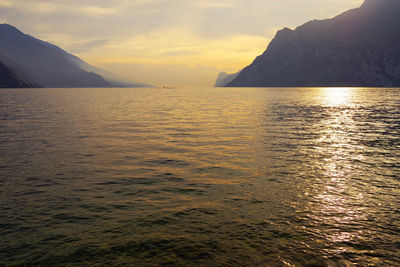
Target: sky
(165, 42)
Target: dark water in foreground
(217, 177)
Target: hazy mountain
(11, 79)
(110, 77)
(225, 78)
(45, 63)
(357, 48)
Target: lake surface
(213, 176)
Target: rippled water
(217, 177)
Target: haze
(174, 42)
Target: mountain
(11, 79)
(225, 78)
(357, 48)
(46, 64)
(110, 77)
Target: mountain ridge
(356, 48)
(11, 79)
(47, 64)
(224, 78)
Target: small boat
(168, 87)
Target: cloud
(82, 47)
(179, 53)
(98, 11)
(213, 4)
(6, 3)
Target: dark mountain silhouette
(357, 48)
(225, 78)
(11, 79)
(46, 64)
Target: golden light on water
(335, 193)
(240, 176)
(337, 96)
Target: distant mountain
(357, 48)
(111, 78)
(225, 78)
(46, 64)
(11, 79)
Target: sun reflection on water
(336, 96)
(338, 154)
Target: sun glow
(337, 96)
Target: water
(216, 177)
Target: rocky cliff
(224, 78)
(357, 48)
(11, 79)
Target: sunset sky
(174, 42)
